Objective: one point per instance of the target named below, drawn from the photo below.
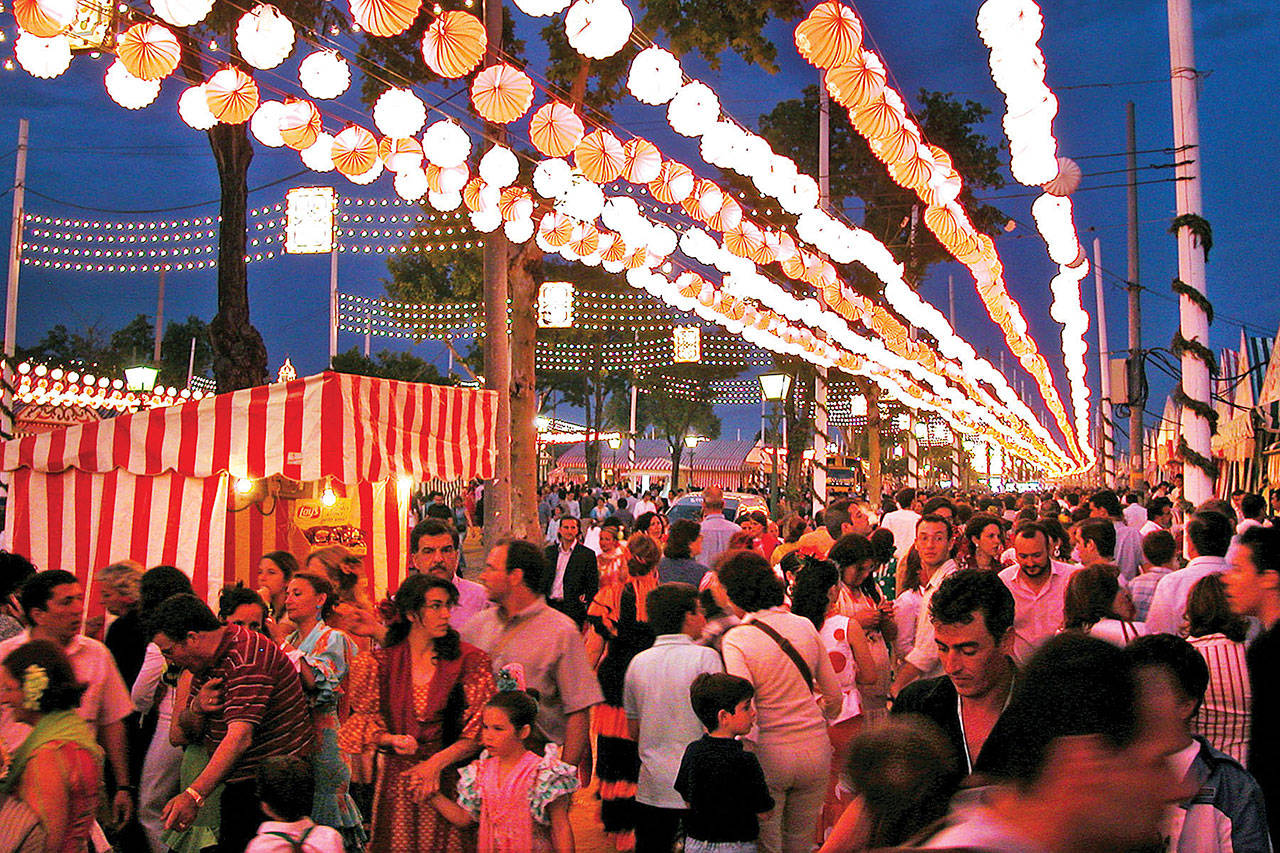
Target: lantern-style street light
(775, 387)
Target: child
(520, 799)
(722, 782)
(286, 788)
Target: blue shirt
(656, 693)
(716, 533)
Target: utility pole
(11, 300)
(155, 355)
(1106, 459)
(820, 373)
(1194, 327)
(1136, 377)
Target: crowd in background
(1040, 672)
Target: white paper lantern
(324, 74)
(620, 212)
(499, 167)
(128, 91)
(265, 124)
(518, 230)
(583, 200)
(411, 185)
(319, 157)
(405, 161)
(486, 220)
(551, 178)
(44, 58)
(193, 108)
(399, 113)
(444, 202)
(541, 8)
(598, 29)
(655, 76)
(454, 178)
(693, 110)
(182, 13)
(369, 176)
(446, 144)
(662, 241)
(264, 37)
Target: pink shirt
(1037, 614)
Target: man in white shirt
(1159, 516)
(1208, 538)
(902, 522)
(1128, 552)
(53, 602)
(1038, 584)
(659, 717)
(933, 544)
(645, 504)
(433, 549)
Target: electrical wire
(164, 209)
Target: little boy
(286, 788)
(722, 782)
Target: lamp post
(774, 387)
(691, 443)
(614, 444)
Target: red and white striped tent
(158, 486)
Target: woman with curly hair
(418, 702)
(57, 769)
(1095, 604)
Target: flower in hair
(510, 677)
(34, 681)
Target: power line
(163, 209)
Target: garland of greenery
(1204, 410)
(1202, 302)
(1201, 230)
(1207, 464)
(1180, 346)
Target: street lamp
(615, 442)
(691, 441)
(141, 378)
(775, 387)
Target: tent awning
(305, 429)
(655, 455)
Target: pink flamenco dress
(512, 812)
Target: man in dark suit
(575, 579)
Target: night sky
(87, 151)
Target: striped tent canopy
(714, 462)
(158, 486)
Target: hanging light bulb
(327, 497)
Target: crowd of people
(1050, 672)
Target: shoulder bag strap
(787, 647)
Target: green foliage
(861, 186)
(712, 27)
(404, 366)
(109, 354)
(567, 68)
(1201, 230)
(435, 276)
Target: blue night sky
(85, 150)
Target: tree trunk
(874, 487)
(799, 431)
(677, 450)
(239, 355)
(523, 278)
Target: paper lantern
(515, 203)
(43, 57)
(541, 8)
(399, 113)
(265, 124)
(318, 157)
(193, 108)
(635, 258)
(584, 239)
(693, 109)
(942, 222)
(830, 35)
(44, 18)
(502, 93)
(555, 229)
(655, 76)
(599, 156)
(446, 144)
(411, 184)
(264, 37)
(355, 150)
(486, 220)
(598, 29)
(642, 161)
(385, 17)
(232, 95)
(499, 167)
(1067, 180)
(401, 155)
(673, 184)
(555, 129)
(182, 13)
(444, 202)
(551, 178)
(149, 51)
(299, 124)
(877, 117)
(129, 91)
(518, 230)
(857, 81)
(583, 200)
(612, 248)
(453, 44)
(324, 74)
(449, 180)
(913, 173)
(367, 177)
(473, 194)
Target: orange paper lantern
(514, 202)
(690, 285)
(453, 44)
(703, 190)
(502, 93)
(355, 151)
(299, 124)
(555, 229)
(899, 144)
(674, 180)
(471, 193)
(555, 129)
(913, 173)
(635, 258)
(36, 19)
(613, 249)
(876, 118)
(149, 51)
(584, 239)
(599, 156)
(857, 81)
(832, 34)
(232, 95)
(385, 17)
(729, 215)
(643, 161)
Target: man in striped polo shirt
(246, 705)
